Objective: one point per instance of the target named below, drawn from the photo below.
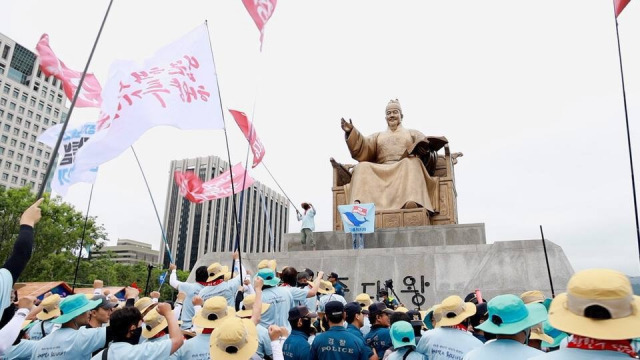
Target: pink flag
(620, 5)
(250, 133)
(260, 11)
(192, 187)
(52, 66)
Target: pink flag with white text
(260, 11)
(197, 191)
(250, 133)
(52, 66)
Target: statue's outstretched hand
(346, 126)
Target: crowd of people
(289, 314)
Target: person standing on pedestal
(358, 237)
(308, 224)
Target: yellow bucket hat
(538, 334)
(153, 324)
(364, 300)
(452, 311)
(401, 309)
(533, 296)
(599, 303)
(216, 270)
(247, 306)
(213, 311)
(326, 287)
(270, 264)
(235, 338)
(50, 308)
(143, 304)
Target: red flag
(52, 66)
(192, 187)
(250, 133)
(260, 11)
(134, 285)
(620, 5)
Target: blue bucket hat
(508, 315)
(73, 306)
(269, 276)
(554, 333)
(429, 316)
(402, 334)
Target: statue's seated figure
(395, 166)
(397, 169)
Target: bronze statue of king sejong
(395, 166)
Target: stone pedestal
(426, 263)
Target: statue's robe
(386, 174)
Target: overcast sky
(530, 92)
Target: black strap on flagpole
(626, 118)
(73, 104)
(84, 229)
(546, 258)
(233, 191)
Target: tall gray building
(29, 104)
(193, 230)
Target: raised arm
(23, 247)
(175, 334)
(315, 285)
(257, 304)
(173, 277)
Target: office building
(193, 230)
(29, 103)
(129, 252)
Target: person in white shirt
(601, 312)
(511, 321)
(450, 339)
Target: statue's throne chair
(446, 209)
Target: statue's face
(394, 118)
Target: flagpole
(84, 229)
(73, 104)
(626, 118)
(546, 258)
(233, 191)
(280, 187)
(155, 208)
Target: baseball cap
(333, 308)
(378, 308)
(300, 312)
(333, 275)
(352, 308)
(104, 303)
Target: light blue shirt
(580, 354)
(35, 332)
(307, 220)
(6, 285)
(195, 348)
(399, 354)
(324, 299)
(264, 342)
(148, 350)
(70, 344)
(22, 351)
(228, 289)
(188, 312)
(298, 294)
(447, 344)
(506, 349)
(281, 301)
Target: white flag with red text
(197, 191)
(65, 173)
(177, 87)
(260, 11)
(52, 66)
(250, 133)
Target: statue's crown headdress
(394, 104)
